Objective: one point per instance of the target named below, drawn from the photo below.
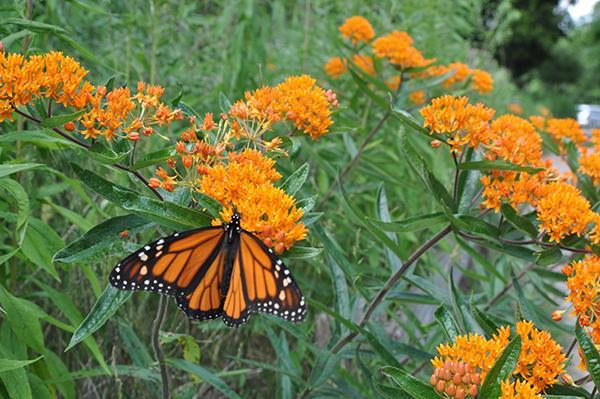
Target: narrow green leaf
(411, 385)
(33, 26)
(154, 158)
(518, 221)
(526, 306)
(501, 370)
(105, 155)
(498, 165)
(590, 353)
(108, 303)
(207, 376)
(21, 199)
(444, 316)
(59, 120)
(11, 364)
(476, 226)
(6, 170)
(23, 320)
(40, 243)
(296, 180)
(550, 256)
(100, 237)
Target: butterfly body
(221, 271)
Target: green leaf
(409, 120)
(412, 223)
(476, 226)
(590, 353)
(40, 243)
(461, 310)
(33, 26)
(168, 214)
(154, 158)
(550, 256)
(501, 370)
(364, 88)
(11, 364)
(23, 320)
(518, 221)
(44, 138)
(6, 170)
(108, 303)
(207, 376)
(59, 120)
(21, 199)
(498, 165)
(444, 316)
(487, 325)
(105, 155)
(414, 387)
(298, 252)
(296, 180)
(526, 306)
(100, 237)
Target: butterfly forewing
(260, 282)
(171, 264)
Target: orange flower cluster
(518, 390)
(584, 285)
(357, 29)
(540, 363)
(589, 164)
(417, 97)
(481, 81)
(565, 128)
(335, 67)
(397, 48)
(62, 79)
(246, 183)
(464, 123)
(563, 211)
(51, 75)
(515, 140)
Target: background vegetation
(213, 47)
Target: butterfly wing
(170, 265)
(260, 282)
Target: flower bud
(124, 233)
(134, 136)
(567, 270)
(2, 47)
(69, 126)
(148, 131)
(557, 315)
(440, 387)
(279, 247)
(187, 161)
(154, 182)
(435, 143)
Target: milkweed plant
(502, 251)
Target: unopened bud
(435, 143)
(134, 136)
(69, 126)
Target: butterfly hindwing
(260, 282)
(171, 264)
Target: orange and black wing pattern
(174, 265)
(260, 282)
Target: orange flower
(394, 82)
(417, 97)
(397, 48)
(482, 81)
(516, 108)
(561, 128)
(584, 285)
(589, 164)
(301, 101)
(562, 211)
(246, 182)
(357, 29)
(365, 63)
(518, 390)
(461, 73)
(335, 67)
(515, 140)
(541, 360)
(538, 121)
(463, 122)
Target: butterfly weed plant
(452, 253)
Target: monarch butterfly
(221, 271)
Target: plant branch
(82, 144)
(390, 283)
